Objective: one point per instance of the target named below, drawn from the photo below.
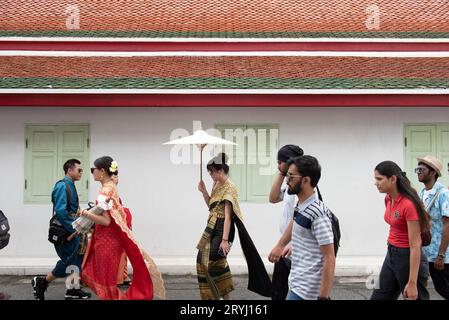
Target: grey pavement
(186, 288)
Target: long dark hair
(389, 169)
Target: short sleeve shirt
(397, 215)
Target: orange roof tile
(223, 72)
(229, 19)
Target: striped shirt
(312, 228)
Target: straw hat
(432, 162)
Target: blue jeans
(68, 254)
(293, 296)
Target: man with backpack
(65, 206)
(435, 197)
(311, 235)
(4, 240)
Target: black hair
(70, 164)
(218, 162)
(389, 169)
(430, 169)
(104, 163)
(308, 166)
(289, 151)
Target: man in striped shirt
(310, 232)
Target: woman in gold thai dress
(214, 275)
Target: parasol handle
(201, 161)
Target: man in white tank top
(279, 193)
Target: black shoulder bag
(57, 234)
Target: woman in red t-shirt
(405, 269)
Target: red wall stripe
(219, 46)
(221, 100)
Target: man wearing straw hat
(435, 197)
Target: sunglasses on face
(419, 170)
(92, 170)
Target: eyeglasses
(92, 170)
(289, 176)
(419, 170)
(80, 170)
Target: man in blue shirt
(68, 252)
(435, 197)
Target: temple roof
(223, 72)
(259, 19)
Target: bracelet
(224, 240)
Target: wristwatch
(441, 255)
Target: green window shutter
(73, 143)
(253, 162)
(237, 155)
(420, 141)
(46, 150)
(443, 150)
(262, 146)
(41, 160)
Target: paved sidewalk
(185, 288)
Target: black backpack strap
(319, 194)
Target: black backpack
(4, 230)
(335, 226)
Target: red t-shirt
(397, 216)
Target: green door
(73, 144)
(47, 147)
(236, 154)
(41, 162)
(443, 150)
(261, 161)
(253, 162)
(422, 140)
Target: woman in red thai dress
(110, 238)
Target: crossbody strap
(433, 200)
(69, 193)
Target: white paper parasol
(201, 139)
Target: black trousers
(395, 273)
(440, 280)
(280, 279)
